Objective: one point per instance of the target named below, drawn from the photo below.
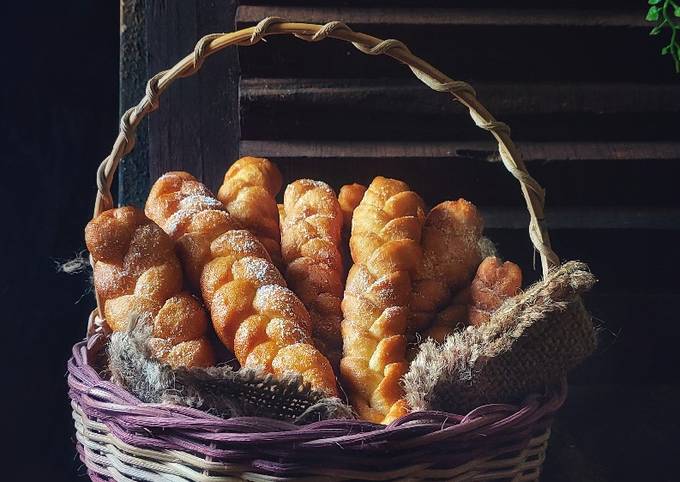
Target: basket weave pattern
(122, 438)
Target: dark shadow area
(59, 92)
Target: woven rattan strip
(123, 438)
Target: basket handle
(533, 193)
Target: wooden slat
(502, 98)
(196, 127)
(133, 171)
(475, 4)
(531, 151)
(248, 14)
(628, 262)
(493, 50)
(576, 175)
(589, 217)
(383, 109)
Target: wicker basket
(121, 438)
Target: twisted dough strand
(385, 246)
(310, 241)
(248, 192)
(349, 198)
(451, 254)
(494, 282)
(138, 277)
(453, 317)
(253, 313)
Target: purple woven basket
(121, 438)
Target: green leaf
(652, 14)
(666, 50)
(656, 30)
(676, 11)
(654, 2)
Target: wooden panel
(416, 5)
(481, 46)
(444, 16)
(385, 109)
(626, 262)
(196, 127)
(588, 217)
(578, 176)
(133, 170)
(393, 95)
(531, 151)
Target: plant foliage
(666, 15)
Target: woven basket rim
(119, 436)
(108, 401)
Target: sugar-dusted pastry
(494, 282)
(254, 314)
(451, 254)
(453, 317)
(282, 213)
(248, 192)
(139, 279)
(310, 241)
(349, 198)
(385, 246)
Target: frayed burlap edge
(531, 341)
(219, 390)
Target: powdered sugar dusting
(200, 202)
(258, 270)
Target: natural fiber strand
(219, 390)
(534, 339)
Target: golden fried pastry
(385, 246)
(451, 318)
(349, 198)
(254, 314)
(494, 282)
(248, 192)
(282, 214)
(310, 242)
(451, 254)
(138, 278)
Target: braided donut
(248, 192)
(282, 214)
(138, 277)
(349, 198)
(451, 254)
(310, 241)
(494, 283)
(254, 314)
(385, 246)
(453, 317)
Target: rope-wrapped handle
(534, 194)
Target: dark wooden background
(592, 104)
